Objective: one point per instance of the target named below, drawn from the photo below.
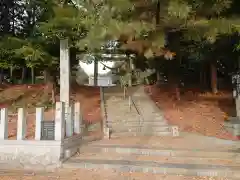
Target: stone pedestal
(237, 102)
(106, 133)
(233, 125)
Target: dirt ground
(196, 111)
(32, 96)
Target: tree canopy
(187, 29)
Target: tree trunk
(213, 78)
(23, 74)
(203, 76)
(32, 75)
(157, 16)
(174, 86)
(1, 75)
(6, 14)
(45, 75)
(50, 85)
(11, 72)
(158, 76)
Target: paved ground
(184, 141)
(95, 175)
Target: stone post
(69, 122)
(104, 115)
(130, 71)
(237, 98)
(233, 123)
(64, 72)
(4, 124)
(21, 124)
(237, 101)
(39, 120)
(65, 76)
(60, 121)
(78, 124)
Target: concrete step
(134, 124)
(140, 128)
(144, 118)
(158, 158)
(137, 122)
(126, 117)
(117, 134)
(186, 155)
(164, 152)
(122, 165)
(154, 122)
(186, 141)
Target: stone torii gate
(65, 87)
(100, 81)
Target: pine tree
(154, 20)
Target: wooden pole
(95, 72)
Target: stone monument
(233, 123)
(65, 84)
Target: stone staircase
(136, 115)
(185, 155)
(143, 145)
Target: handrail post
(104, 114)
(129, 103)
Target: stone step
(164, 152)
(134, 134)
(127, 113)
(137, 123)
(186, 141)
(158, 158)
(140, 128)
(135, 120)
(126, 116)
(155, 167)
(112, 104)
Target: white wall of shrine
(85, 70)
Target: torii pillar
(65, 83)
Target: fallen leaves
(195, 112)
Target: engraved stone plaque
(48, 130)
